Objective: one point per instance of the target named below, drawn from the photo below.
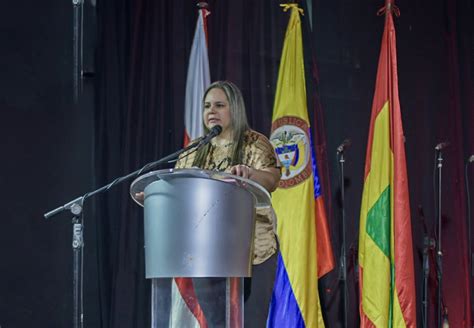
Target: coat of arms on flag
(290, 139)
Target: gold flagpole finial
(287, 6)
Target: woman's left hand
(241, 170)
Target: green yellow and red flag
(387, 278)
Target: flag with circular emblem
(298, 201)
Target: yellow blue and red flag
(387, 278)
(298, 201)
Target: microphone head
(216, 130)
(345, 144)
(442, 145)
(471, 158)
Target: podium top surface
(261, 195)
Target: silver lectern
(199, 232)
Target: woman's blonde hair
(238, 119)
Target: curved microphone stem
(80, 200)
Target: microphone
(215, 131)
(345, 144)
(442, 145)
(471, 159)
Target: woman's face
(217, 111)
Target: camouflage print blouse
(258, 154)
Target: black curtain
(48, 143)
(143, 58)
(142, 62)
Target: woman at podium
(244, 152)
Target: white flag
(197, 81)
(185, 308)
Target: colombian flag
(297, 202)
(387, 279)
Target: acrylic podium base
(197, 302)
(200, 225)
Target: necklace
(223, 145)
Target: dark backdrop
(46, 159)
(53, 151)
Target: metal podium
(198, 224)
